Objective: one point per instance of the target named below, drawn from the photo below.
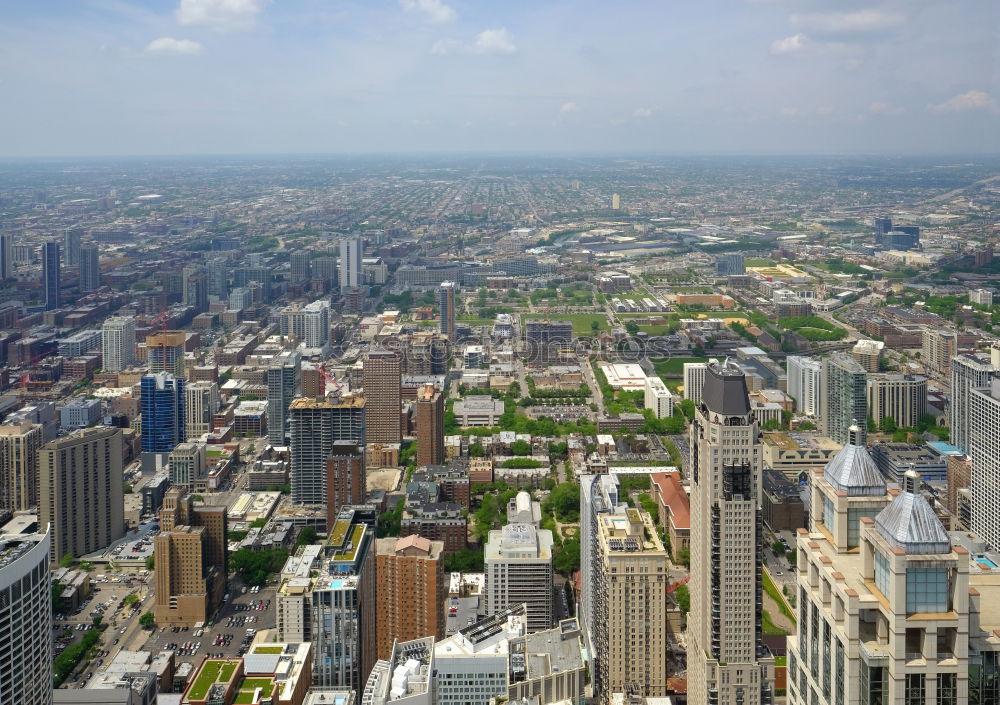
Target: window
(927, 590)
(882, 574)
(839, 684)
(829, 515)
(854, 524)
(874, 685)
(914, 693)
(947, 689)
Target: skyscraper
(350, 262)
(345, 478)
(19, 446)
(80, 491)
(314, 427)
(382, 381)
(968, 372)
(430, 426)
(118, 343)
(938, 348)
(6, 255)
(843, 397)
(902, 398)
(804, 379)
(309, 324)
(26, 619)
(202, 400)
(195, 291)
(518, 570)
(694, 380)
(90, 268)
(410, 592)
(727, 661)
(284, 375)
(51, 272)
(71, 245)
(300, 269)
(163, 407)
(165, 352)
(984, 449)
(598, 496)
(217, 272)
(446, 308)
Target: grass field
(674, 365)
(770, 628)
(582, 322)
(775, 594)
(474, 321)
(212, 672)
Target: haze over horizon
(188, 77)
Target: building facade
(902, 398)
(165, 352)
(284, 376)
(446, 310)
(430, 426)
(19, 446)
(315, 425)
(411, 592)
(26, 619)
(984, 450)
(518, 560)
(804, 378)
(51, 274)
(90, 268)
(843, 397)
(118, 343)
(382, 382)
(968, 372)
(164, 418)
(345, 478)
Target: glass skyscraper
(163, 412)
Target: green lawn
(247, 688)
(267, 650)
(474, 321)
(582, 322)
(214, 671)
(674, 365)
(769, 627)
(775, 594)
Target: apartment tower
(26, 619)
(382, 379)
(410, 592)
(315, 426)
(843, 397)
(165, 352)
(518, 560)
(968, 372)
(19, 446)
(118, 343)
(284, 376)
(345, 477)
(430, 426)
(446, 308)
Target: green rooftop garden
(247, 688)
(212, 672)
(267, 650)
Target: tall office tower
(6, 255)
(202, 401)
(938, 348)
(51, 273)
(430, 426)
(90, 268)
(71, 245)
(902, 398)
(195, 291)
(26, 619)
(118, 343)
(968, 372)
(325, 269)
(804, 379)
(446, 308)
(382, 379)
(300, 266)
(518, 560)
(243, 276)
(598, 496)
(843, 399)
(345, 478)
(80, 493)
(630, 577)
(350, 262)
(284, 375)
(314, 427)
(165, 352)
(240, 298)
(731, 264)
(984, 449)
(164, 416)
(727, 661)
(694, 380)
(19, 446)
(217, 272)
(410, 592)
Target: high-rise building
(446, 310)
(968, 372)
(118, 343)
(984, 449)
(51, 273)
(350, 262)
(217, 272)
(71, 245)
(868, 353)
(694, 380)
(26, 619)
(6, 255)
(187, 465)
(90, 268)
(881, 226)
(241, 298)
(195, 291)
(658, 399)
(163, 407)
(345, 478)
(284, 375)
(630, 599)
(19, 446)
(938, 348)
(902, 398)
(804, 377)
(598, 496)
(730, 264)
(518, 560)
(165, 352)
(843, 397)
(261, 275)
(727, 660)
(382, 380)
(309, 324)
(314, 427)
(202, 401)
(80, 492)
(430, 426)
(410, 593)
(300, 269)
(616, 202)
(325, 270)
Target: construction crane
(328, 378)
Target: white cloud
(971, 100)
(177, 47)
(882, 108)
(220, 15)
(643, 112)
(489, 41)
(789, 45)
(568, 108)
(868, 20)
(433, 10)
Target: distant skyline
(190, 77)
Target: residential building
(165, 352)
(80, 491)
(727, 661)
(345, 477)
(938, 349)
(446, 310)
(382, 381)
(435, 520)
(804, 378)
(257, 278)
(984, 450)
(518, 560)
(284, 376)
(730, 264)
(202, 402)
(80, 343)
(674, 513)
(314, 427)
(217, 272)
(429, 415)
(658, 398)
(309, 324)
(80, 412)
(194, 281)
(959, 474)
(26, 619)
(6, 255)
(982, 297)
(868, 354)
(410, 594)
(187, 464)
(118, 343)
(90, 268)
(19, 446)
(902, 398)
(694, 380)
(51, 273)
(843, 396)
(598, 496)
(269, 674)
(163, 407)
(968, 372)
(300, 271)
(350, 262)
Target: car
(779, 573)
(123, 630)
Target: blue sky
(109, 77)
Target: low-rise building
(478, 410)
(269, 674)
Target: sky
(177, 77)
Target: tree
(683, 597)
(150, 562)
(564, 502)
(567, 558)
(130, 599)
(307, 536)
(520, 447)
(67, 560)
(255, 566)
(594, 326)
(96, 621)
(888, 425)
(468, 560)
(632, 327)
(147, 620)
(778, 548)
(476, 450)
(684, 556)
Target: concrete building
(478, 410)
(868, 354)
(345, 477)
(727, 660)
(165, 352)
(938, 348)
(518, 567)
(80, 491)
(658, 398)
(804, 379)
(598, 496)
(446, 309)
(350, 262)
(80, 412)
(983, 297)
(51, 275)
(902, 398)
(894, 460)
(984, 450)
(187, 465)
(19, 446)
(203, 401)
(315, 425)
(410, 593)
(674, 512)
(26, 619)
(300, 270)
(194, 281)
(430, 425)
(284, 376)
(309, 324)
(90, 269)
(382, 382)
(968, 372)
(269, 674)
(843, 397)
(694, 380)
(118, 343)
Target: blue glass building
(163, 412)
